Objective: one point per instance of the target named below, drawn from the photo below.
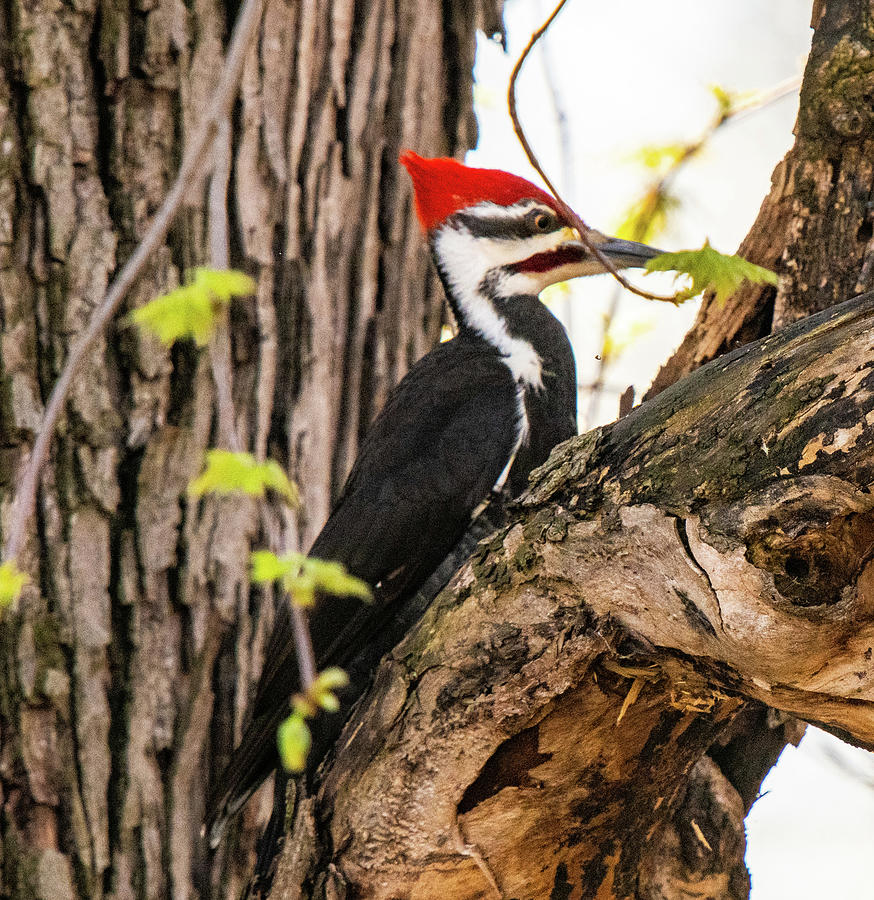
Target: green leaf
(224, 283)
(555, 293)
(659, 157)
(618, 340)
(303, 706)
(732, 102)
(647, 217)
(322, 689)
(711, 270)
(187, 312)
(267, 566)
(302, 588)
(725, 98)
(330, 679)
(303, 577)
(273, 477)
(332, 578)
(294, 741)
(190, 311)
(12, 580)
(231, 473)
(329, 701)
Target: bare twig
(571, 311)
(191, 171)
(303, 647)
(569, 213)
(220, 345)
(511, 103)
(276, 525)
(597, 386)
(727, 114)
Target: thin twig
(511, 102)
(190, 172)
(726, 116)
(303, 646)
(597, 386)
(219, 245)
(566, 168)
(569, 213)
(277, 527)
(303, 642)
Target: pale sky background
(638, 72)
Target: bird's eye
(542, 221)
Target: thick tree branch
(713, 546)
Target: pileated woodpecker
(471, 418)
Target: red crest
(443, 186)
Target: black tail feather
(367, 637)
(270, 844)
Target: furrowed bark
(129, 662)
(544, 727)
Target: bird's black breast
(432, 455)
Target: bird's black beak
(623, 254)
(626, 254)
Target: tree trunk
(131, 657)
(488, 760)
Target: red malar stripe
(550, 259)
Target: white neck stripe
(465, 263)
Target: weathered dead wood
(712, 546)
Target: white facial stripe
(466, 261)
(485, 253)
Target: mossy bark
(130, 659)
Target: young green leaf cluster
(293, 737)
(303, 576)
(227, 472)
(710, 270)
(190, 311)
(12, 580)
(648, 216)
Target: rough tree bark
(709, 556)
(130, 660)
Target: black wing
(433, 454)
